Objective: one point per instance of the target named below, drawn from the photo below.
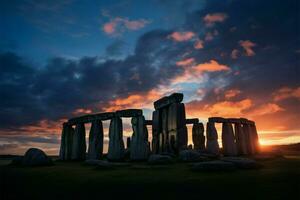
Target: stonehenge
(169, 134)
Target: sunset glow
(229, 59)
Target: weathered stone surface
(165, 101)
(128, 142)
(156, 126)
(164, 147)
(62, 150)
(254, 139)
(157, 159)
(198, 136)
(192, 121)
(116, 145)
(191, 156)
(79, 144)
(177, 126)
(212, 145)
(242, 163)
(36, 157)
(216, 119)
(129, 113)
(91, 117)
(148, 122)
(69, 142)
(213, 166)
(95, 149)
(241, 141)
(233, 120)
(228, 143)
(139, 142)
(248, 136)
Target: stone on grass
(216, 165)
(242, 163)
(191, 156)
(157, 159)
(36, 157)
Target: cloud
(211, 19)
(248, 47)
(234, 54)
(268, 108)
(118, 25)
(232, 93)
(181, 36)
(198, 44)
(193, 72)
(286, 92)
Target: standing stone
(69, 142)
(62, 151)
(128, 141)
(79, 144)
(139, 145)
(241, 142)
(95, 140)
(116, 149)
(198, 136)
(248, 139)
(256, 139)
(165, 134)
(156, 124)
(228, 143)
(212, 145)
(177, 125)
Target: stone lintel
(192, 121)
(91, 117)
(217, 119)
(129, 113)
(148, 122)
(165, 101)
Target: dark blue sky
(231, 58)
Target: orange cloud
(185, 62)
(82, 111)
(118, 25)
(212, 19)
(285, 93)
(232, 93)
(134, 101)
(198, 44)
(194, 73)
(248, 45)
(181, 36)
(268, 108)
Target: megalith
(95, 149)
(212, 145)
(228, 141)
(156, 127)
(62, 150)
(241, 141)
(69, 142)
(248, 135)
(79, 144)
(177, 126)
(198, 136)
(139, 143)
(116, 148)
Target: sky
(65, 58)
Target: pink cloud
(285, 93)
(198, 44)
(211, 19)
(193, 73)
(118, 25)
(181, 36)
(234, 54)
(248, 47)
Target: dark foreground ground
(278, 179)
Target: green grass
(279, 179)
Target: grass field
(278, 179)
